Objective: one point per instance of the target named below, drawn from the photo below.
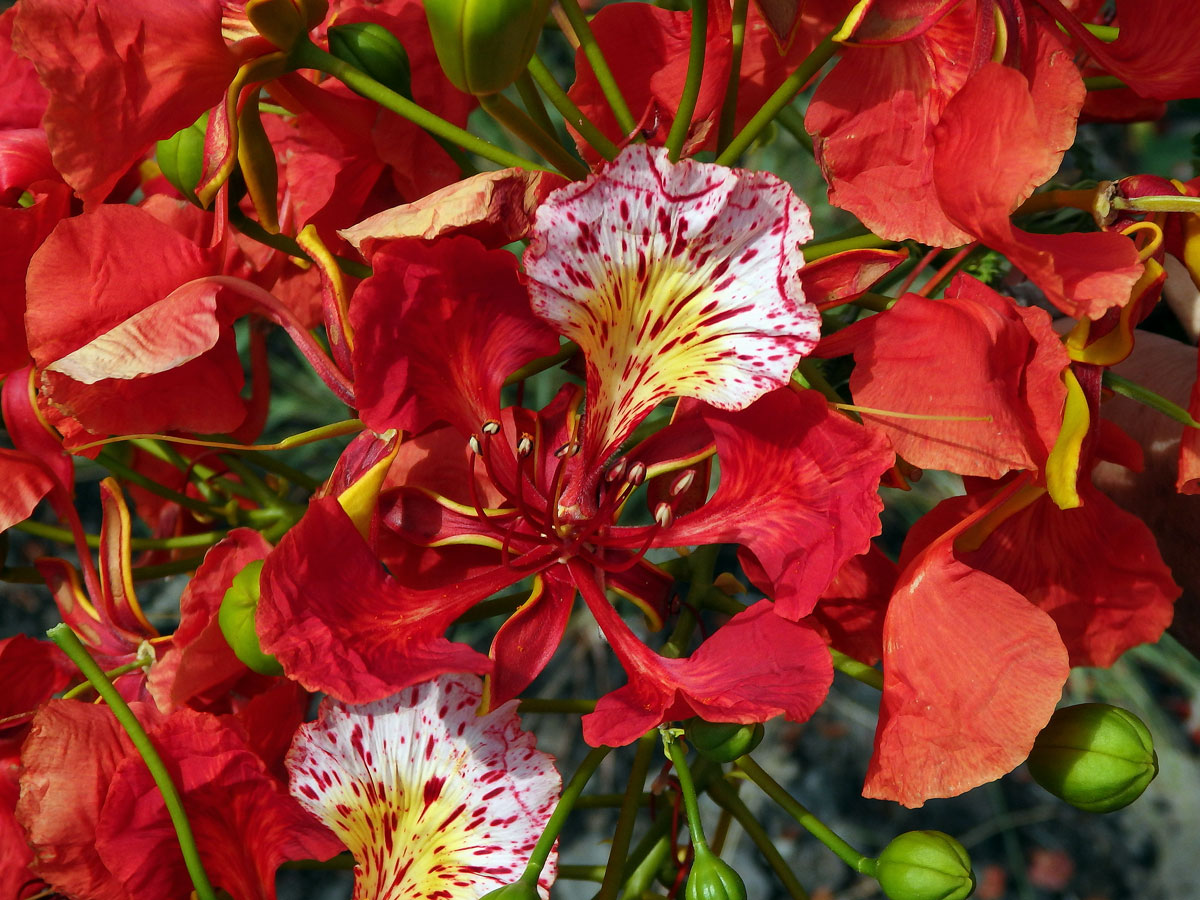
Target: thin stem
(792, 85)
(571, 113)
(595, 58)
(687, 790)
(691, 85)
(859, 242)
(814, 826)
(121, 470)
(507, 114)
(569, 349)
(859, 671)
(729, 107)
(581, 873)
(793, 123)
(541, 851)
(725, 795)
(610, 801)
(310, 56)
(288, 245)
(181, 542)
(630, 805)
(110, 674)
(532, 101)
(70, 644)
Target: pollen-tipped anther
(570, 448)
(491, 426)
(473, 443)
(616, 470)
(524, 445)
(636, 474)
(682, 482)
(664, 515)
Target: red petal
(798, 490)
(438, 329)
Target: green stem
(595, 57)
(729, 107)
(792, 85)
(310, 56)
(814, 826)
(859, 242)
(532, 101)
(71, 645)
(630, 805)
(642, 876)
(288, 245)
(569, 349)
(182, 542)
(793, 122)
(118, 468)
(1147, 397)
(581, 873)
(725, 795)
(687, 789)
(611, 801)
(283, 470)
(573, 115)
(510, 116)
(701, 565)
(110, 675)
(859, 671)
(541, 851)
(691, 85)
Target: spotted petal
(676, 281)
(432, 800)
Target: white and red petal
(676, 280)
(432, 800)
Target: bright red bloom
(695, 295)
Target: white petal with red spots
(676, 280)
(433, 801)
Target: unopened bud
(1096, 757)
(181, 158)
(724, 742)
(285, 22)
(925, 865)
(236, 620)
(484, 47)
(374, 50)
(712, 878)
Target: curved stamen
(480, 513)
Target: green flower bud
(374, 50)
(236, 618)
(712, 878)
(484, 45)
(181, 158)
(925, 865)
(723, 742)
(1096, 757)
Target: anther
(636, 474)
(491, 426)
(616, 470)
(525, 444)
(476, 447)
(663, 515)
(570, 448)
(683, 482)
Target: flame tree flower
(432, 800)
(675, 281)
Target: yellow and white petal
(676, 280)
(434, 801)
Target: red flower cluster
(566, 383)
